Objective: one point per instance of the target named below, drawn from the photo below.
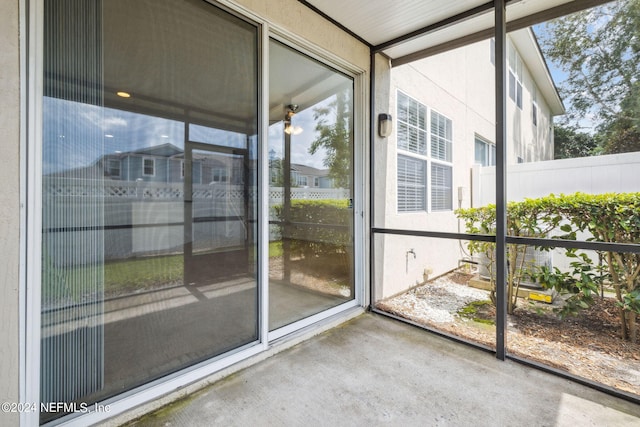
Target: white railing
(276, 194)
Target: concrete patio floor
(374, 370)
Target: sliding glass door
(151, 119)
(149, 192)
(311, 264)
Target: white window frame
(417, 155)
(220, 175)
(360, 128)
(489, 158)
(144, 166)
(428, 157)
(515, 76)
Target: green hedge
(611, 217)
(316, 227)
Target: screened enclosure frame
(501, 239)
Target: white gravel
(437, 301)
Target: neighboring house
(158, 163)
(310, 177)
(301, 176)
(161, 163)
(444, 125)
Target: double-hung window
(298, 179)
(424, 171)
(220, 175)
(114, 168)
(441, 158)
(148, 166)
(412, 154)
(515, 76)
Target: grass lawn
(131, 275)
(142, 273)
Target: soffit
(381, 23)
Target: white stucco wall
(9, 205)
(528, 141)
(307, 25)
(459, 84)
(446, 84)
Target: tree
(599, 50)
(569, 143)
(623, 134)
(334, 135)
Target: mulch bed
(588, 345)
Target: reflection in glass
(311, 187)
(149, 202)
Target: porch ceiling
(407, 30)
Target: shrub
(612, 217)
(316, 227)
(524, 219)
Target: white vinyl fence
(140, 218)
(616, 173)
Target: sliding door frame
(359, 174)
(32, 22)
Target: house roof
(309, 171)
(162, 150)
(525, 42)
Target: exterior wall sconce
(385, 125)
